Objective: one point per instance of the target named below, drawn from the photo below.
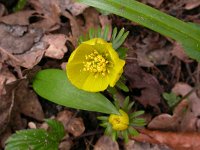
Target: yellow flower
(119, 122)
(94, 65)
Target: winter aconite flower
(122, 124)
(94, 65)
(119, 122)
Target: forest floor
(44, 33)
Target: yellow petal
(95, 84)
(76, 75)
(116, 72)
(78, 55)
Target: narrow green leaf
(132, 131)
(122, 86)
(103, 118)
(114, 33)
(122, 52)
(105, 33)
(53, 85)
(136, 114)
(121, 40)
(155, 20)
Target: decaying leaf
(176, 141)
(106, 143)
(22, 18)
(147, 84)
(167, 122)
(133, 145)
(51, 14)
(178, 51)
(7, 103)
(185, 116)
(191, 4)
(57, 47)
(72, 125)
(72, 6)
(21, 45)
(27, 102)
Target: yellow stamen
(96, 63)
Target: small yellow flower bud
(119, 122)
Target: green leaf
(53, 85)
(37, 139)
(122, 86)
(20, 5)
(133, 131)
(171, 99)
(117, 39)
(122, 52)
(136, 114)
(155, 20)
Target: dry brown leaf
(133, 145)
(76, 126)
(51, 14)
(2, 10)
(168, 122)
(178, 51)
(155, 3)
(177, 141)
(21, 46)
(106, 143)
(147, 84)
(91, 17)
(57, 47)
(191, 4)
(191, 120)
(185, 116)
(27, 102)
(74, 7)
(7, 103)
(18, 18)
(73, 125)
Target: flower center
(96, 63)
(119, 122)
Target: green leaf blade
(153, 19)
(53, 85)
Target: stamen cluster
(96, 63)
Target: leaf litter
(43, 37)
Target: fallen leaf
(147, 85)
(185, 116)
(27, 102)
(168, 122)
(155, 3)
(178, 51)
(76, 126)
(133, 145)
(18, 18)
(74, 7)
(191, 120)
(51, 14)
(7, 103)
(57, 47)
(106, 143)
(176, 141)
(191, 4)
(21, 46)
(73, 125)
(2, 10)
